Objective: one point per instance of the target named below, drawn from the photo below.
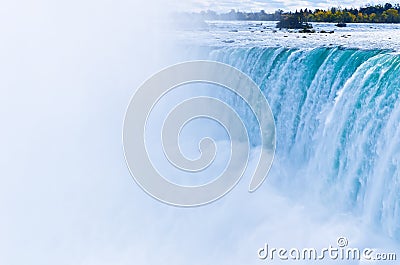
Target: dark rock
(307, 31)
(293, 22)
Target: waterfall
(337, 120)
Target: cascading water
(337, 119)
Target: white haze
(68, 70)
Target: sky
(269, 6)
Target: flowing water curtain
(337, 121)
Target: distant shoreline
(382, 14)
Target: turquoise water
(337, 119)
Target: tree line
(387, 13)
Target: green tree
(392, 15)
(373, 18)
